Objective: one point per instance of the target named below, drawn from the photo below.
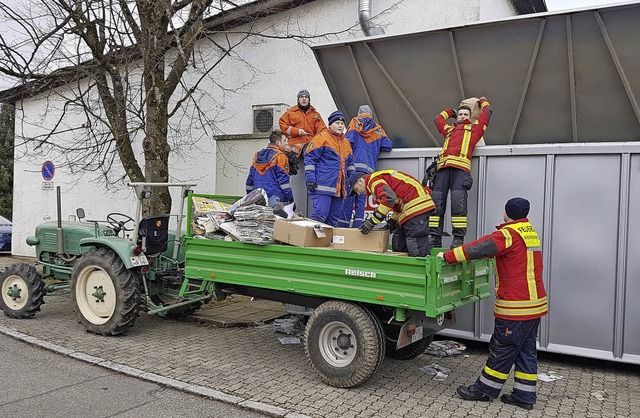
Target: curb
(198, 390)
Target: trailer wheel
(408, 352)
(105, 293)
(22, 291)
(344, 343)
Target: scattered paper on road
(600, 394)
(549, 376)
(289, 340)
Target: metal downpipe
(364, 16)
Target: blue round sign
(48, 170)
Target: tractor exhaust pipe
(59, 236)
(59, 233)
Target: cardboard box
(302, 232)
(353, 239)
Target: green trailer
(358, 307)
(364, 306)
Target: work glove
(371, 222)
(455, 113)
(311, 187)
(302, 132)
(441, 256)
(392, 224)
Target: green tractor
(113, 268)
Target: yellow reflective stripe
(495, 373)
(459, 254)
(445, 115)
(410, 180)
(521, 303)
(484, 104)
(459, 221)
(372, 186)
(411, 211)
(507, 238)
(420, 200)
(466, 140)
(463, 163)
(520, 312)
(383, 209)
(531, 277)
(525, 376)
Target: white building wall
(260, 71)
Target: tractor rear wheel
(344, 343)
(105, 293)
(22, 291)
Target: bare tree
(123, 66)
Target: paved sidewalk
(252, 364)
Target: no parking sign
(48, 170)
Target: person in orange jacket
(328, 163)
(454, 169)
(407, 199)
(301, 122)
(521, 300)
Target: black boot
(509, 399)
(470, 393)
(457, 242)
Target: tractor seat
(153, 234)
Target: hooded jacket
(367, 139)
(270, 171)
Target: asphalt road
(38, 383)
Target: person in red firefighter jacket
(454, 169)
(270, 171)
(367, 139)
(521, 300)
(328, 163)
(410, 202)
(301, 122)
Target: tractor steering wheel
(119, 225)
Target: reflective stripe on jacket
(328, 162)
(520, 292)
(367, 139)
(270, 171)
(460, 139)
(295, 119)
(398, 192)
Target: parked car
(5, 234)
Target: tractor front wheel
(22, 291)
(105, 293)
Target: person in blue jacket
(270, 171)
(328, 162)
(367, 139)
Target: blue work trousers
(512, 342)
(327, 209)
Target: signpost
(48, 171)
